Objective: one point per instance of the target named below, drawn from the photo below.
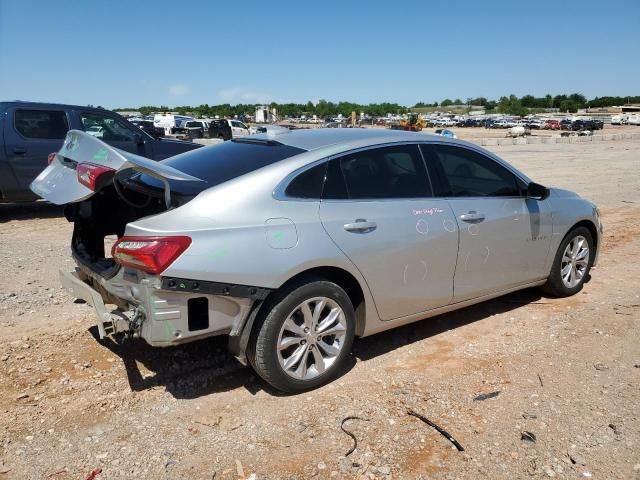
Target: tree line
(511, 104)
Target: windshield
(220, 163)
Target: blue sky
(125, 53)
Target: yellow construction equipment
(413, 123)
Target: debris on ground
(486, 396)
(94, 473)
(442, 431)
(355, 440)
(528, 437)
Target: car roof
(347, 138)
(19, 103)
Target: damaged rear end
(101, 189)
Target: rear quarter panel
(242, 235)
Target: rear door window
(44, 124)
(387, 172)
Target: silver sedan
(294, 242)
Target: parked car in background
(149, 127)
(534, 123)
(467, 122)
(272, 129)
(238, 128)
(443, 132)
(551, 125)
(191, 129)
(502, 123)
(619, 120)
(446, 122)
(30, 132)
(583, 125)
(566, 124)
(169, 121)
(633, 120)
(295, 245)
(96, 130)
(220, 128)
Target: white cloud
(179, 90)
(243, 95)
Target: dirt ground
(530, 386)
(473, 133)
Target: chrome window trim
(279, 191)
(516, 173)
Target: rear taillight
(150, 254)
(89, 173)
(51, 157)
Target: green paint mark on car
(221, 252)
(101, 155)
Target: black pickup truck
(220, 128)
(30, 131)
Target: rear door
(115, 132)
(31, 134)
(504, 236)
(377, 206)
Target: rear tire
(572, 264)
(304, 336)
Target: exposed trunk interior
(106, 214)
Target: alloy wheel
(575, 261)
(311, 338)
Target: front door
(378, 208)
(504, 237)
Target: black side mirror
(535, 190)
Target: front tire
(305, 336)
(572, 264)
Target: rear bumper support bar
(214, 288)
(79, 289)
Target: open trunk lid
(59, 184)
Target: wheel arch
(346, 281)
(240, 345)
(589, 225)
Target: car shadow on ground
(29, 211)
(204, 367)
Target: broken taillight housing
(89, 173)
(150, 254)
(51, 157)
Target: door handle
(19, 151)
(472, 217)
(360, 226)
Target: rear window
(221, 163)
(46, 124)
